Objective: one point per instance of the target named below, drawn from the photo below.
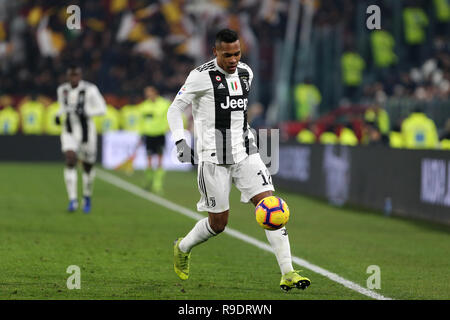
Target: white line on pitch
(122, 184)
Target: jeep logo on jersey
(234, 103)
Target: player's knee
(256, 199)
(71, 159)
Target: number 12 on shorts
(267, 179)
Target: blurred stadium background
(364, 115)
(126, 45)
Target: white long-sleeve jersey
(86, 97)
(219, 109)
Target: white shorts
(86, 151)
(250, 176)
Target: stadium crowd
(404, 66)
(125, 45)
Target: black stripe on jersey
(244, 78)
(82, 116)
(222, 118)
(65, 101)
(68, 124)
(65, 96)
(206, 66)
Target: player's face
(74, 76)
(228, 55)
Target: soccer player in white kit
(79, 101)
(218, 91)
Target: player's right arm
(175, 118)
(194, 87)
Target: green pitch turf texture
(124, 247)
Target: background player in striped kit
(79, 101)
(218, 91)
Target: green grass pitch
(124, 247)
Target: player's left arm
(250, 80)
(96, 103)
(250, 72)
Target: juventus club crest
(245, 81)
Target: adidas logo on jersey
(235, 103)
(221, 86)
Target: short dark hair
(73, 66)
(226, 35)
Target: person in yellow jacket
(444, 138)
(396, 138)
(32, 116)
(442, 10)
(380, 118)
(383, 121)
(9, 121)
(419, 131)
(153, 126)
(352, 67)
(347, 136)
(329, 136)
(111, 120)
(130, 117)
(383, 43)
(306, 136)
(414, 22)
(445, 143)
(307, 99)
(50, 127)
(442, 13)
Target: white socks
(88, 182)
(279, 241)
(200, 233)
(71, 178)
